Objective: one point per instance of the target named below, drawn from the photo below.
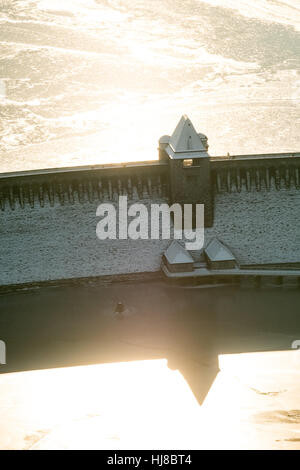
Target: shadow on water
(60, 327)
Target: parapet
(184, 173)
(83, 184)
(255, 172)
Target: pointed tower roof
(176, 254)
(185, 142)
(216, 251)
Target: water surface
(100, 81)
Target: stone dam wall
(48, 219)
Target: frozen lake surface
(101, 81)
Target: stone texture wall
(257, 218)
(259, 226)
(60, 242)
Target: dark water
(58, 327)
(92, 81)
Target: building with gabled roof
(218, 256)
(177, 258)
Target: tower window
(187, 162)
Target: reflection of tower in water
(194, 343)
(177, 324)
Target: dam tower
(189, 167)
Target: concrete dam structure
(48, 217)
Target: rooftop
(185, 141)
(176, 254)
(216, 251)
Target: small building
(178, 259)
(218, 256)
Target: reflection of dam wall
(48, 218)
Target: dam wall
(48, 218)
(59, 242)
(48, 223)
(257, 207)
(260, 227)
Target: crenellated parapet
(144, 180)
(184, 174)
(83, 184)
(255, 172)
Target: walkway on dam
(131, 399)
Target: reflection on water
(157, 383)
(145, 405)
(179, 335)
(125, 405)
(73, 326)
(107, 78)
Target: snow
(60, 242)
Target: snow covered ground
(60, 242)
